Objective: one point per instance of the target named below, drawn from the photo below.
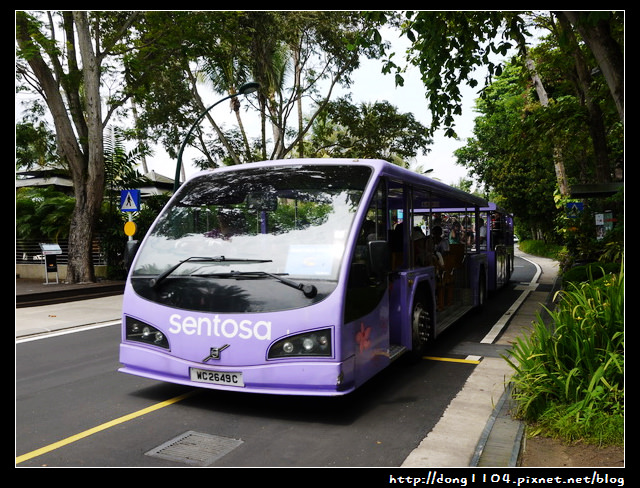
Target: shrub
(541, 248)
(587, 272)
(569, 372)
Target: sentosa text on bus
(306, 277)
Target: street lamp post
(243, 90)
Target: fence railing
(29, 252)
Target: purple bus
(301, 277)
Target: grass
(569, 372)
(542, 248)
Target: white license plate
(216, 377)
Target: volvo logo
(214, 353)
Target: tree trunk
(80, 268)
(558, 161)
(606, 51)
(88, 171)
(596, 122)
(211, 120)
(298, 87)
(276, 127)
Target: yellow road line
(452, 360)
(99, 428)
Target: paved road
(478, 401)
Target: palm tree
(271, 61)
(225, 73)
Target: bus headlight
(138, 331)
(316, 343)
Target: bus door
(456, 263)
(412, 283)
(366, 307)
(499, 237)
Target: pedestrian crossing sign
(574, 209)
(130, 200)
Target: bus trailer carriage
(494, 236)
(301, 276)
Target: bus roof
(446, 195)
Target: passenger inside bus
(368, 232)
(419, 241)
(231, 222)
(482, 236)
(455, 233)
(441, 244)
(449, 259)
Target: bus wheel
(420, 329)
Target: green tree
(68, 76)
(508, 155)
(35, 146)
(566, 127)
(367, 131)
(448, 47)
(163, 73)
(603, 34)
(120, 166)
(297, 57)
(43, 213)
(574, 100)
(225, 68)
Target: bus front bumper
(284, 377)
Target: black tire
(421, 329)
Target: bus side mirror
(380, 257)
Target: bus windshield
(230, 240)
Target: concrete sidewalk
(60, 316)
(48, 307)
(476, 428)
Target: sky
(371, 86)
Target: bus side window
(372, 230)
(367, 279)
(396, 244)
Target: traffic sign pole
(130, 202)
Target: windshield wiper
(155, 282)
(309, 291)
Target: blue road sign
(574, 209)
(130, 200)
